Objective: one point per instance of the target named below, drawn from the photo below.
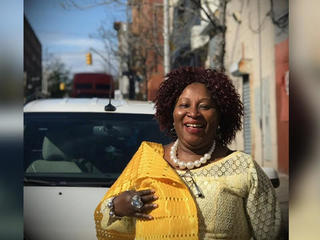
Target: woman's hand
(122, 204)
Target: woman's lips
(194, 128)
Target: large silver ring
(136, 202)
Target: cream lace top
(238, 199)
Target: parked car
(74, 150)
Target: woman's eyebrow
(188, 99)
(184, 98)
(208, 99)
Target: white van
(74, 150)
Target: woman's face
(195, 117)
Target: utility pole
(166, 54)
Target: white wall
(253, 39)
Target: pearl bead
(182, 165)
(203, 160)
(197, 163)
(190, 165)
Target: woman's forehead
(198, 89)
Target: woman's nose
(193, 112)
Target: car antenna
(110, 107)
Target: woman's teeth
(194, 125)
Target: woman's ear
(173, 131)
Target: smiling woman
(221, 92)
(194, 187)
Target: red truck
(87, 85)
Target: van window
(102, 86)
(83, 149)
(84, 85)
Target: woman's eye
(184, 105)
(204, 107)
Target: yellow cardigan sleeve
(262, 206)
(111, 228)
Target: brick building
(147, 44)
(32, 62)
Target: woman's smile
(194, 127)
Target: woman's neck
(186, 154)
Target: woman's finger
(148, 198)
(143, 216)
(148, 207)
(145, 192)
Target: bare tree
(145, 40)
(189, 12)
(108, 37)
(145, 44)
(109, 52)
(219, 29)
(56, 72)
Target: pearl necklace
(190, 165)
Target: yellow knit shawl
(175, 218)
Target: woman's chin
(194, 142)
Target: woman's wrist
(110, 205)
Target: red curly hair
(223, 94)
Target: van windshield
(83, 149)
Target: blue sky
(65, 33)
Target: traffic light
(89, 58)
(62, 86)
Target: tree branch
(104, 59)
(213, 20)
(69, 4)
